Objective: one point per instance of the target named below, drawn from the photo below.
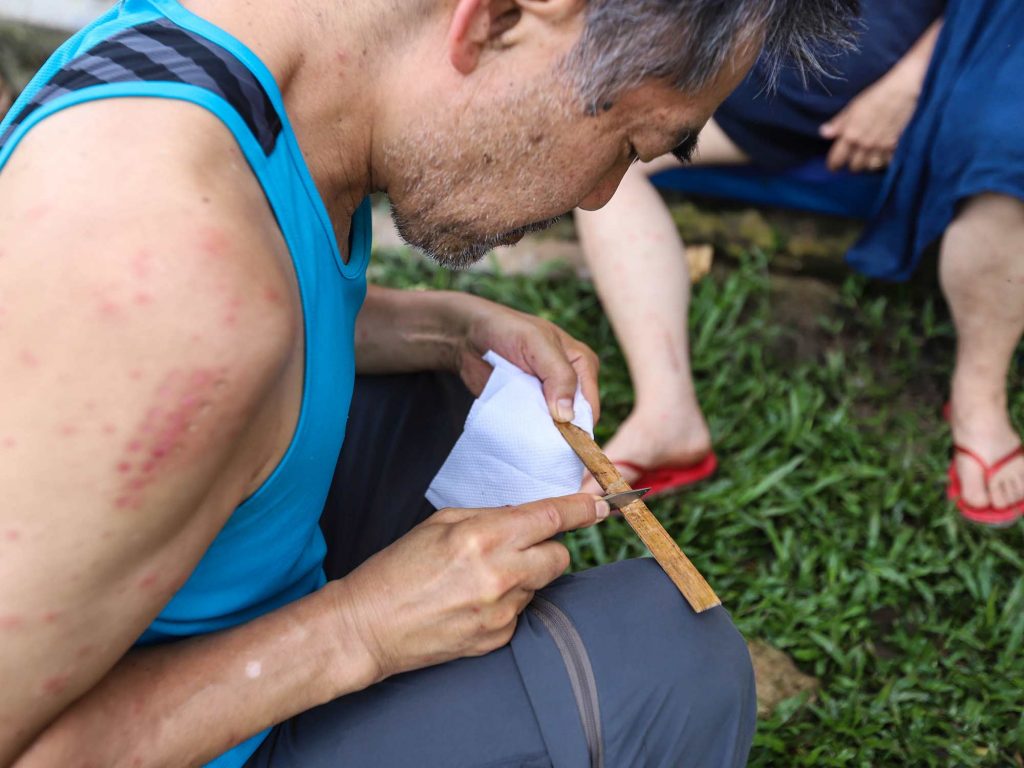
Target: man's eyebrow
(686, 147)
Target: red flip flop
(670, 479)
(994, 516)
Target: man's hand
(404, 331)
(455, 585)
(536, 346)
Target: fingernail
(603, 510)
(565, 410)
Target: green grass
(826, 531)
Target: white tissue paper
(510, 451)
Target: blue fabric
(779, 128)
(965, 138)
(806, 187)
(271, 550)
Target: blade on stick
(670, 557)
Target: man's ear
(474, 24)
(479, 23)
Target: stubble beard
(497, 155)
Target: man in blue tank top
(188, 571)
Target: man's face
(519, 151)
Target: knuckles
(473, 545)
(547, 518)
(562, 558)
(492, 586)
(446, 516)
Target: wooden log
(670, 557)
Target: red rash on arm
(160, 438)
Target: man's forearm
(187, 702)
(405, 331)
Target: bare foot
(655, 440)
(983, 426)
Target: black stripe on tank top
(161, 51)
(235, 80)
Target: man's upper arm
(133, 358)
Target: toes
(972, 484)
(1007, 488)
(1001, 492)
(1015, 482)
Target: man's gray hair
(688, 42)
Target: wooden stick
(670, 557)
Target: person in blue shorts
(931, 100)
(215, 438)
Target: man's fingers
(558, 377)
(538, 521)
(544, 563)
(586, 365)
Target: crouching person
(189, 573)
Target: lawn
(826, 531)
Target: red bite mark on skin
(142, 264)
(51, 617)
(85, 651)
(68, 430)
(231, 311)
(214, 242)
(135, 374)
(162, 434)
(149, 581)
(28, 359)
(11, 621)
(55, 685)
(273, 297)
(143, 299)
(12, 534)
(8, 442)
(108, 429)
(109, 309)
(37, 212)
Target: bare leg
(982, 273)
(633, 249)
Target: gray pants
(609, 667)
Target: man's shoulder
(152, 202)
(164, 146)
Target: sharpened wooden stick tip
(670, 557)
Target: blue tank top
(271, 550)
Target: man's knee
(675, 685)
(698, 665)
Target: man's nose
(605, 188)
